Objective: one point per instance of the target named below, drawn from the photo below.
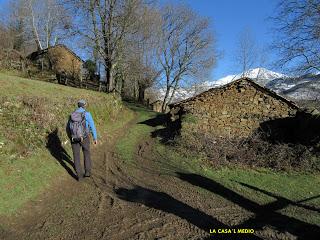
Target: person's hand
(95, 142)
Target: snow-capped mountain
(261, 75)
(303, 87)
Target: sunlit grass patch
(126, 146)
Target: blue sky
(229, 18)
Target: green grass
(292, 186)
(23, 180)
(29, 111)
(126, 146)
(189, 118)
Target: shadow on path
(56, 149)
(167, 133)
(264, 214)
(166, 203)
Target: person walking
(79, 127)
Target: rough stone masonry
(233, 110)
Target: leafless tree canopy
(43, 22)
(108, 23)
(139, 64)
(247, 51)
(298, 34)
(186, 48)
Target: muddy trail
(142, 201)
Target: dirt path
(124, 201)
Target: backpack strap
(86, 129)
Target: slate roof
(226, 86)
(35, 54)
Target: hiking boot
(80, 179)
(87, 174)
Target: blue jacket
(89, 123)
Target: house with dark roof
(59, 59)
(234, 110)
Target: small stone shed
(59, 59)
(156, 106)
(234, 110)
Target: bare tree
(44, 21)
(144, 50)
(247, 52)
(262, 60)
(108, 23)
(138, 77)
(186, 49)
(297, 28)
(6, 41)
(12, 27)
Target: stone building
(59, 59)
(156, 106)
(233, 110)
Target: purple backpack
(77, 125)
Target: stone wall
(64, 61)
(235, 110)
(157, 106)
(60, 60)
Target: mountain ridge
(305, 87)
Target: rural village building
(60, 59)
(233, 110)
(156, 106)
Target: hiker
(79, 126)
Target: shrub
(26, 121)
(255, 151)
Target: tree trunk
(34, 27)
(141, 90)
(109, 76)
(100, 86)
(173, 91)
(122, 87)
(164, 104)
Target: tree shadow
(167, 132)
(264, 214)
(282, 202)
(56, 149)
(304, 128)
(164, 202)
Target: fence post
(100, 85)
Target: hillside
(33, 115)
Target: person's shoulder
(88, 114)
(79, 110)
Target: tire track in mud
(128, 220)
(121, 202)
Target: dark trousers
(85, 145)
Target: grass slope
(31, 113)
